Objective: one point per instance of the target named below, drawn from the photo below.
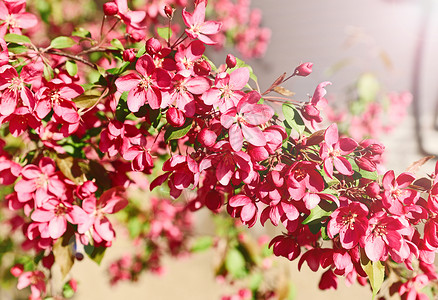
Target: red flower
(350, 222)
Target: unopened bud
(168, 10)
(207, 137)
(110, 8)
(153, 46)
(137, 35)
(231, 61)
(373, 190)
(214, 200)
(129, 55)
(304, 69)
(202, 68)
(175, 117)
(365, 164)
(376, 148)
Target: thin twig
(73, 57)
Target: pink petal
(57, 227)
(41, 215)
(253, 135)
(405, 179)
(331, 135)
(343, 165)
(127, 82)
(145, 65)
(236, 137)
(248, 212)
(104, 228)
(239, 200)
(239, 78)
(136, 99)
(198, 85)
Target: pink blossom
(243, 121)
(247, 209)
(145, 86)
(350, 222)
(198, 28)
(41, 182)
(110, 202)
(56, 214)
(333, 149)
(396, 194)
(226, 93)
(383, 233)
(15, 18)
(36, 281)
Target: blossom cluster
(98, 116)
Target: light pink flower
(198, 28)
(243, 121)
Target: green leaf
(235, 263)
(164, 32)
(369, 175)
(81, 32)
(376, 273)
(117, 44)
(173, 133)
(95, 253)
(317, 215)
(71, 67)
(61, 42)
(17, 38)
(48, 72)
(202, 243)
(141, 51)
(16, 48)
(293, 118)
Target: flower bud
(175, 117)
(304, 69)
(110, 8)
(202, 68)
(231, 61)
(17, 270)
(214, 200)
(129, 55)
(373, 190)
(153, 46)
(365, 164)
(376, 149)
(168, 10)
(206, 137)
(137, 35)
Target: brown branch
(73, 57)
